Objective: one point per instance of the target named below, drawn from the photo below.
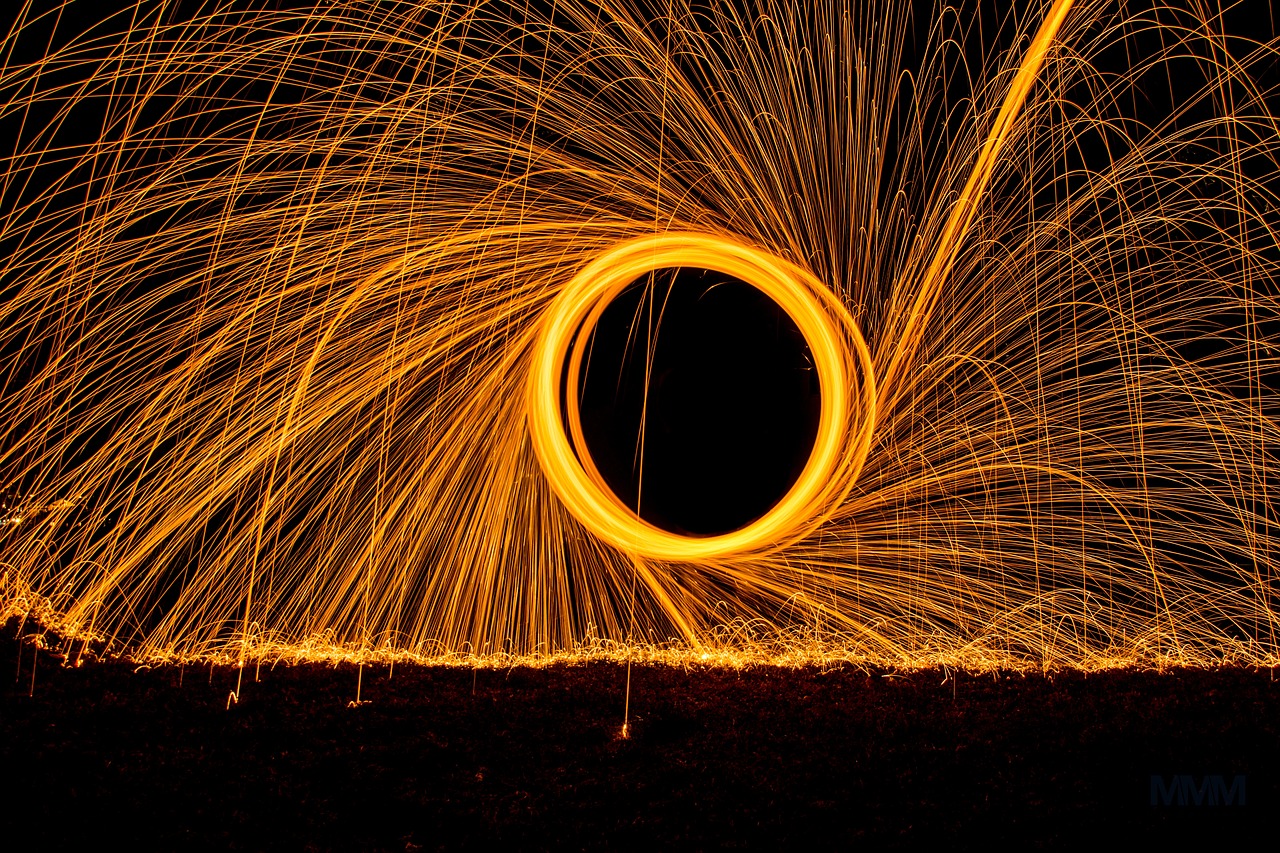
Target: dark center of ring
(699, 400)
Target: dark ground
(530, 758)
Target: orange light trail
(290, 300)
(844, 431)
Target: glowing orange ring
(841, 359)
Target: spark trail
(288, 297)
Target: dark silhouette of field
(763, 758)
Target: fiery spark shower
(290, 300)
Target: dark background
(730, 401)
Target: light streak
(845, 427)
(288, 297)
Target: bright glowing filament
(841, 357)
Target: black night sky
(731, 395)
